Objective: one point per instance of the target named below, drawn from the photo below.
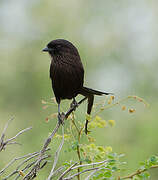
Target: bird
(67, 75)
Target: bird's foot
(61, 117)
(74, 104)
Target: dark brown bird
(67, 74)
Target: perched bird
(67, 74)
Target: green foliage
(109, 165)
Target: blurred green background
(117, 41)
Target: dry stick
(24, 169)
(139, 171)
(83, 165)
(28, 156)
(67, 171)
(16, 171)
(8, 141)
(18, 134)
(86, 170)
(5, 128)
(37, 164)
(78, 147)
(3, 134)
(91, 164)
(48, 140)
(59, 170)
(119, 102)
(74, 107)
(16, 159)
(31, 164)
(57, 155)
(93, 172)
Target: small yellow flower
(103, 123)
(67, 136)
(123, 108)
(109, 101)
(108, 148)
(21, 173)
(112, 97)
(111, 123)
(131, 110)
(91, 139)
(70, 116)
(88, 117)
(97, 118)
(92, 146)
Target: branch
(91, 164)
(4, 143)
(57, 155)
(33, 172)
(26, 158)
(86, 170)
(139, 171)
(59, 170)
(72, 167)
(92, 173)
(67, 171)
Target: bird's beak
(46, 49)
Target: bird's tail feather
(89, 93)
(94, 92)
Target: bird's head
(60, 47)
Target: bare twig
(4, 143)
(16, 159)
(23, 170)
(57, 171)
(57, 155)
(3, 134)
(91, 164)
(81, 172)
(41, 154)
(28, 158)
(67, 171)
(32, 173)
(73, 167)
(92, 173)
(18, 134)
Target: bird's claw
(74, 104)
(61, 117)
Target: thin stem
(67, 171)
(139, 171)
(91, 164)
(119, 102)
(86, 170)
(57, 155)
(78, 146)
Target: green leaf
(107, 174)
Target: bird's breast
(67, 79)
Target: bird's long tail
(89, 93)
(94, 92)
